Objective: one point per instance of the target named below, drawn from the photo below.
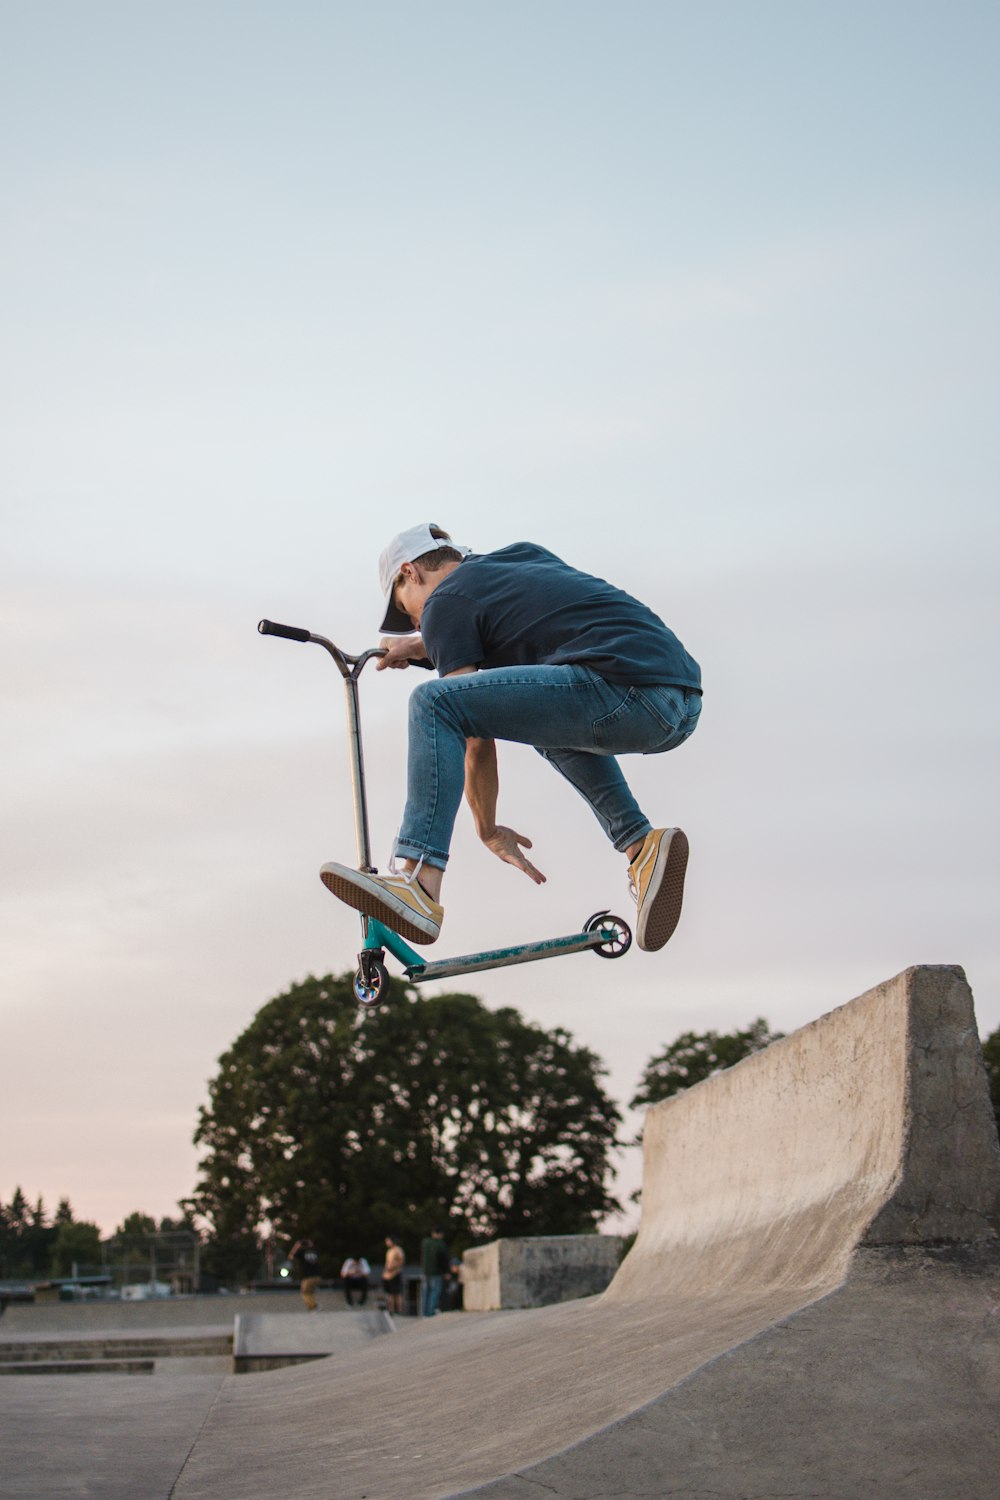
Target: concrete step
(24, 1351)
(78, 1367)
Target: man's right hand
(400, 650)
(507, 845)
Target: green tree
(18, 1212)
(13, 1221)
(36, 1241)
(991, 1057)
(132, 1235)
(185, 1221)
(25, 1239)
(346, 1124)
(695, 1056)
(76, 1244)
(132, 1247)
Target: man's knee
(424, 697)
(432, 699)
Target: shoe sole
(373, 903)
(661, 908)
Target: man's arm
(400, 651)
(482, 787)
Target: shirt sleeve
(452, 631)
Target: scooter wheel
(619, 939)
(371, 989)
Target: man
(354, 1274)
(305, 1259)
(527, 649)
(435, 1263)
(392, 1273)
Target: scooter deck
(498, 958)
(417, 969)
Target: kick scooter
(606, 935)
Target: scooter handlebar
(343, 660)
(290, 632)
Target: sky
(703, 298)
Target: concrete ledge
(19, 1351)
(536, 1272)
(263, 1341)
(79, 1367)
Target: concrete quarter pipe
(811, 1308)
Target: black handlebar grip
(290, 632)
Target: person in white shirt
(354, 1274)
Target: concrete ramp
(811, 1307)
(872, 1126)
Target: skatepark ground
(811, 1308)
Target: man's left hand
(400, 651)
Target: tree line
(35, 1246)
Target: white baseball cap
(404, 548)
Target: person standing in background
(435, 1263)
(305, 1258)
(392, 1273)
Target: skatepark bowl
(811, 1309)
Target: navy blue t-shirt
(523, 606)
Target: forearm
(400, 651)
(482, 784)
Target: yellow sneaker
(397, 901)
(656, 879)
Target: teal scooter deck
(607, 935)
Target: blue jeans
(432, 1294)
(575, 719)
